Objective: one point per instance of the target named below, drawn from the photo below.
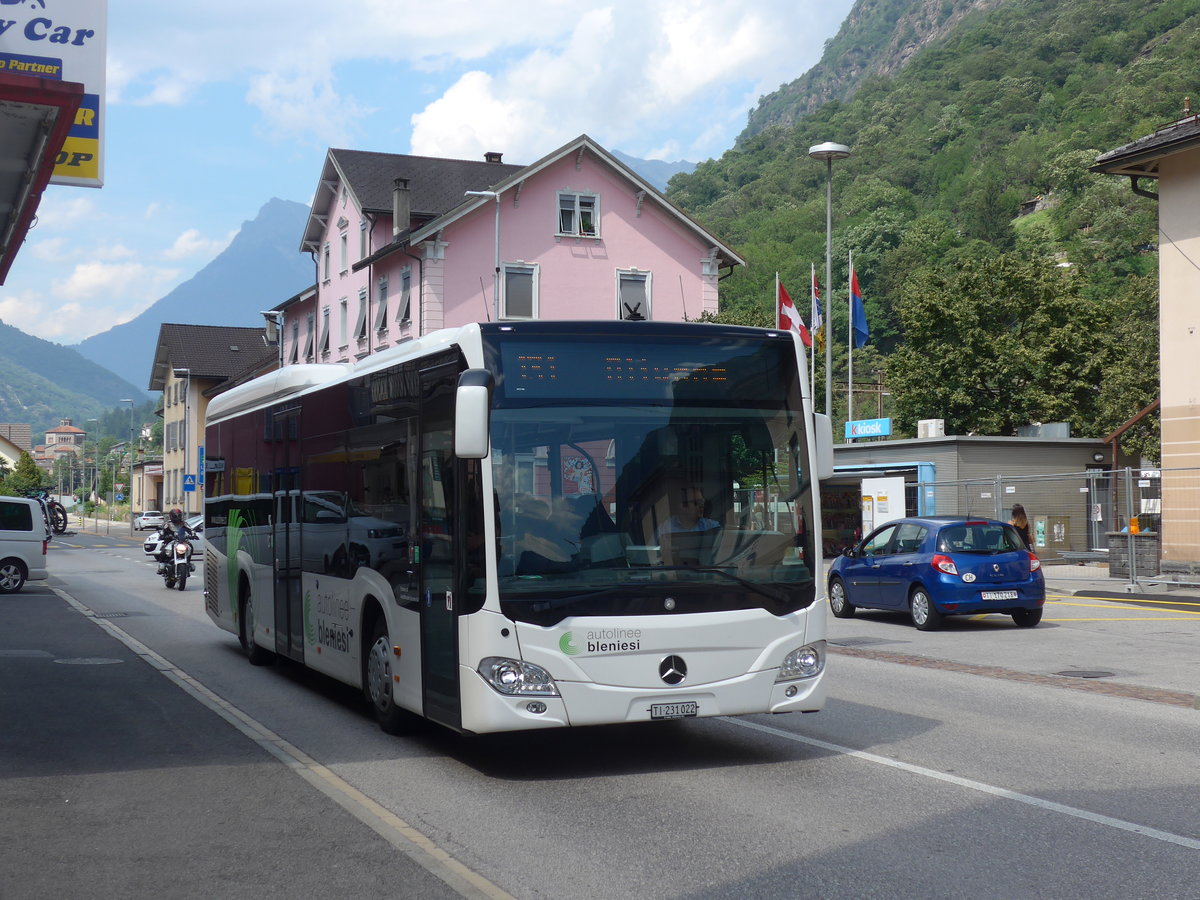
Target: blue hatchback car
(940, 566)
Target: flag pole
(850, 348)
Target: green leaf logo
(566, 645)
(310, 629)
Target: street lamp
(187, 396)
(828, 151)
(95, 475)
(129, 400)
(496, 274)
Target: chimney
(401, 206)
(492, 156)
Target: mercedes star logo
(995, 567)
(673, 670)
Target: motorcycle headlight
(803, 662)
(517, 678)
(181, 548)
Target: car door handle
(910, 563)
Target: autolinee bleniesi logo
(603, 640)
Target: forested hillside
(979, 315)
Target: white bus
(483, 526)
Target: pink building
(402, 249)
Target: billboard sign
(63, 40)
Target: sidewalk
(1094, 581)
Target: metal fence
(1137, 525)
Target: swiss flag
(789, 318)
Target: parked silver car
(151, 519)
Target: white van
(24, 535)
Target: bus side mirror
(823, 439)
(472, 408)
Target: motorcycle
(176, 562)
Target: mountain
(260, 268)
(972, 126)
(655, 171)
(41, 382)
(878, 38)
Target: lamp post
(496, 274)
(187, 397)
(129, 400)
(95, 476)
(828, 151)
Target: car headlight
(803, 662)
(517, 678)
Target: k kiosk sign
(864, 428)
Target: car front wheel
(924, 614)
(841, 607)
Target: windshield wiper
(749, 585)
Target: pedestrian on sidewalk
(1020, 521)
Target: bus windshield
(667, 475)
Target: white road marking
(408, 840)
(1004, 793)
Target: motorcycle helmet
(175, 516)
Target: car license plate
(686, 710)
(999, 595)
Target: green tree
(995, 343)
(25, 477)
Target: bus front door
(439, 554)
(285, 536)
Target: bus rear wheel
(378, 683)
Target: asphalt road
(956, 763)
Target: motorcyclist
(175, 527)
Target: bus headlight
(517, 678)
(803, 662)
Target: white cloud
(192, 243)
(65, 208)
(135, 282)
(306, 103)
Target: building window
(381, 318)
(325, 263)
(343, 262)
(363, 247)
(579, 214)
(520, 291)
(633, 295)
(404, 308)
(309, 337)
(360, 325)
(294, 355)
(343, 321)
(324, 347)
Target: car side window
(877, 543)
(909, 537)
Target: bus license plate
(999, 595)
(685, 710)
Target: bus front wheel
(255, 652)
(380, 664)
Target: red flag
(789, 318)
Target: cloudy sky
(214, 108)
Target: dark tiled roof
(437, 185)
(209, 351)
(1141, 157)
